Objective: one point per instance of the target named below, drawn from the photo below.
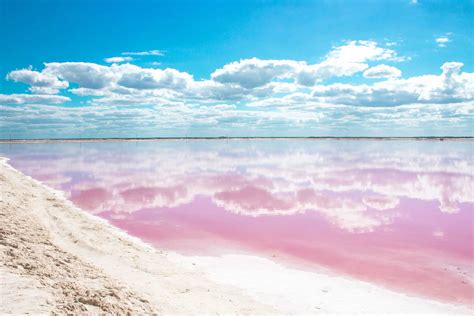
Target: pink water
(395, 213)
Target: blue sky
(237, 68)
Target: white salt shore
(56, 258)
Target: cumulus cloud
(344, 60)
(32, 98)
(139, 78)
(39, 82)
(87, 75)
(98, 80)
(118, 59)
(312, 74)
(213, 90)
(361, 51)
(153, 52)
(442, 41)
(452, 86)
(382, 71)
(254, 72)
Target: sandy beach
(56, 258)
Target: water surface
(395, 213)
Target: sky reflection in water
(397, 213)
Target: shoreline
(157, 139)
(148, 280)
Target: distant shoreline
(120, 139)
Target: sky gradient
(236, 68)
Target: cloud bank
(342, 88)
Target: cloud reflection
(277, 179)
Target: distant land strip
(124, 139)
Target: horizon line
(104, 139)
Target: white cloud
(39, 82)
(312, 74)
(254, 72)
(345, 60)
(99, 80)
(32, 98)
(117, 59)
(153, 52)
(451, 86)
(360, 52)
(139, 78)
(87, 75)
(382, 71)
(442, 41)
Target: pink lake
(394, 213)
